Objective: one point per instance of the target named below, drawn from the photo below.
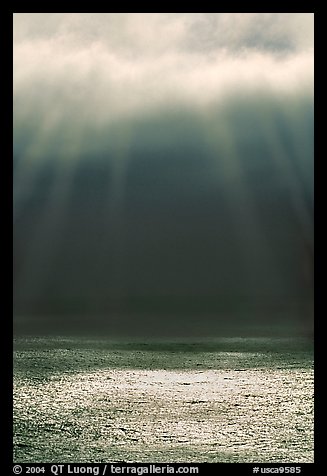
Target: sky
(163, 171)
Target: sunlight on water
(215, 415)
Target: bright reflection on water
(218, 414)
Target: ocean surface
(219, 400)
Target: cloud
(77, 75)
(155, 33)
(100, 68)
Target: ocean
(210, 400)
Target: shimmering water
(99, 401)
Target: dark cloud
(239, 34)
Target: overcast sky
(162, 161)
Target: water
(227, 400)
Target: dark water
(224, 400)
